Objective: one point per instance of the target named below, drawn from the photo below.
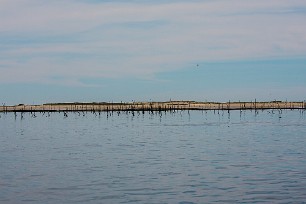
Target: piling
(255, 104)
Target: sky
(141, 50)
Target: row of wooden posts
(153, 106)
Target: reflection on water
(181, 157)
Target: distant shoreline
(152, 106)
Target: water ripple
(184, 158)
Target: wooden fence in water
(153, 106)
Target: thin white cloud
(74, 39)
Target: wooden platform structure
(152, 106)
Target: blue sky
(95, 50)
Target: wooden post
(255, 104)
(229, 106)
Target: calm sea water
(183, 157)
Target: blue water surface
(178, 157)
